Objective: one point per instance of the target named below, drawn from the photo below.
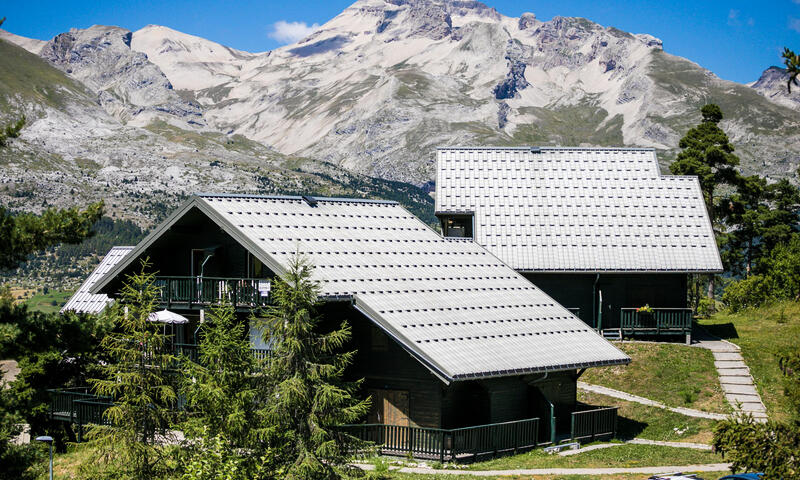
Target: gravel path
(690, 412)
(712, 467)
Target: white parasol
(165, 316)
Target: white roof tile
(451, 304)
(574, 209)
(84, 302)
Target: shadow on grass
(722, 330)
(628, 428)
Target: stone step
(742, 398)
(754, 408)
(735, 380)
(739, 389)
(725, 372)
(727, 356)
(730, 364)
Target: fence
(206, 291)
(449, 444)
(659, 321)
(593, 424)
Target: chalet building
(448, 336)
(600, 230)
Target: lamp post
(49, 441)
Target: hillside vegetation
(762, 333)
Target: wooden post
(572, 426)
(441, 446)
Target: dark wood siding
(386, 367)
(659, 290)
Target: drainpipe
(594, 300)
(600, 311)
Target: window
(459, 226)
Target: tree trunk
(710, 293)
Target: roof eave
(548, 369)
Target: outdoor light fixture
(49, 441)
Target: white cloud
(794, 24)
(291, 32)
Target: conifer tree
(26, 233)
(708, 154)
(225, 392)
(792, 62)
(138, 381)
(310, 399)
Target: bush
(750, 292)
(706, 307)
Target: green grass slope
(676, 375)
(762, 334)
(24, 77)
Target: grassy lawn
(66, 465)
(642, 421)
(639, 476)
(44, 302)
(625, 455)
(762, 334)
(676, 375)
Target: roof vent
(536, 149)
(311, 201)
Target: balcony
(660, 321)
(202, 292)
(449, 444)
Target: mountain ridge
(378, 87)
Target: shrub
(706, 307)
(749, 292)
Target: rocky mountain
(74, 150)
(377, 88)
(772, 84)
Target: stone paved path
(689, 412)
(711, 467)
(636, 441)
(734, 376)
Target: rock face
(773, 85)
(128, 86)
(377, 88)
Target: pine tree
(310, 399)
(225, 392)
(792, 62)
(26, 233)
(708, 154)
(139, 382)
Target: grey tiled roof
(83, 301)
(578, 209)
(452, 305)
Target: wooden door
(395, 407)
(389, 407)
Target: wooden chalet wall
(620, 290)
(397, 381)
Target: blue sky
(735, 39)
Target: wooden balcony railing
(449, 444)
(199, 292)
(594, 424)
(677, 321)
